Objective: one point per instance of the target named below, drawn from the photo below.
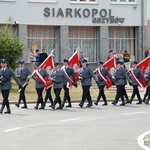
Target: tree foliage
(10, 48)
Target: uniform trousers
(66, 95)
(22, 96)
(125, 93)
(146, 93)
(48, 96)
(5, 94)
(40, 96)
(120, 89)
(101, 94)
(86, 95)
(135, 92)
(57, 96)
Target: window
(83, 1)
(41, 37)
(43, 1)
(122, 38)
(85, 38)
(124, 1)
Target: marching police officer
(125, 82)
(70, 72)
(137, 73)
(102, 73)
(57, 76)
(5, 76)
(147, 76)
(39, 85)
(22, 73)
(85, 75)
(119, 76)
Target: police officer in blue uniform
(137, 73)
(5, 84)
(22, 73)
(119, 78)
(85, 75)
(104, 73)
(70, 72)
(57, 76)
(39, 85)
(125, 82)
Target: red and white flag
(48, 65)
(74, 62)
(143, 65)
(109, 65)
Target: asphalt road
(97, 128)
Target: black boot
(128, 101)
(36, 107)
(96, 103)
(146, 102)
(8, 110)
(69, 105)
(63, 104)
(25, 104)
(114, 102)
(105, 102)
(17, 104)
(42, 106)
(140, 101)
(1, 110)
(89, 105)
(53, 105)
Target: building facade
(148, 24)
(95, 26)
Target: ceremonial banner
(48, 63)
(110, 65)
(143, 65)
(74, 62)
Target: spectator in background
(119, 56)
(110, 54)
(32, 60)
(43, 56)
(37, 56)
(126, 58)
(147, 52)
(81, 58)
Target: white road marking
(13, 129)
(134, 113)
(41, 124)
(73, 119)
(140, 141)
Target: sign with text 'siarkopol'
(102, 16)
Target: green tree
(10, 48)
